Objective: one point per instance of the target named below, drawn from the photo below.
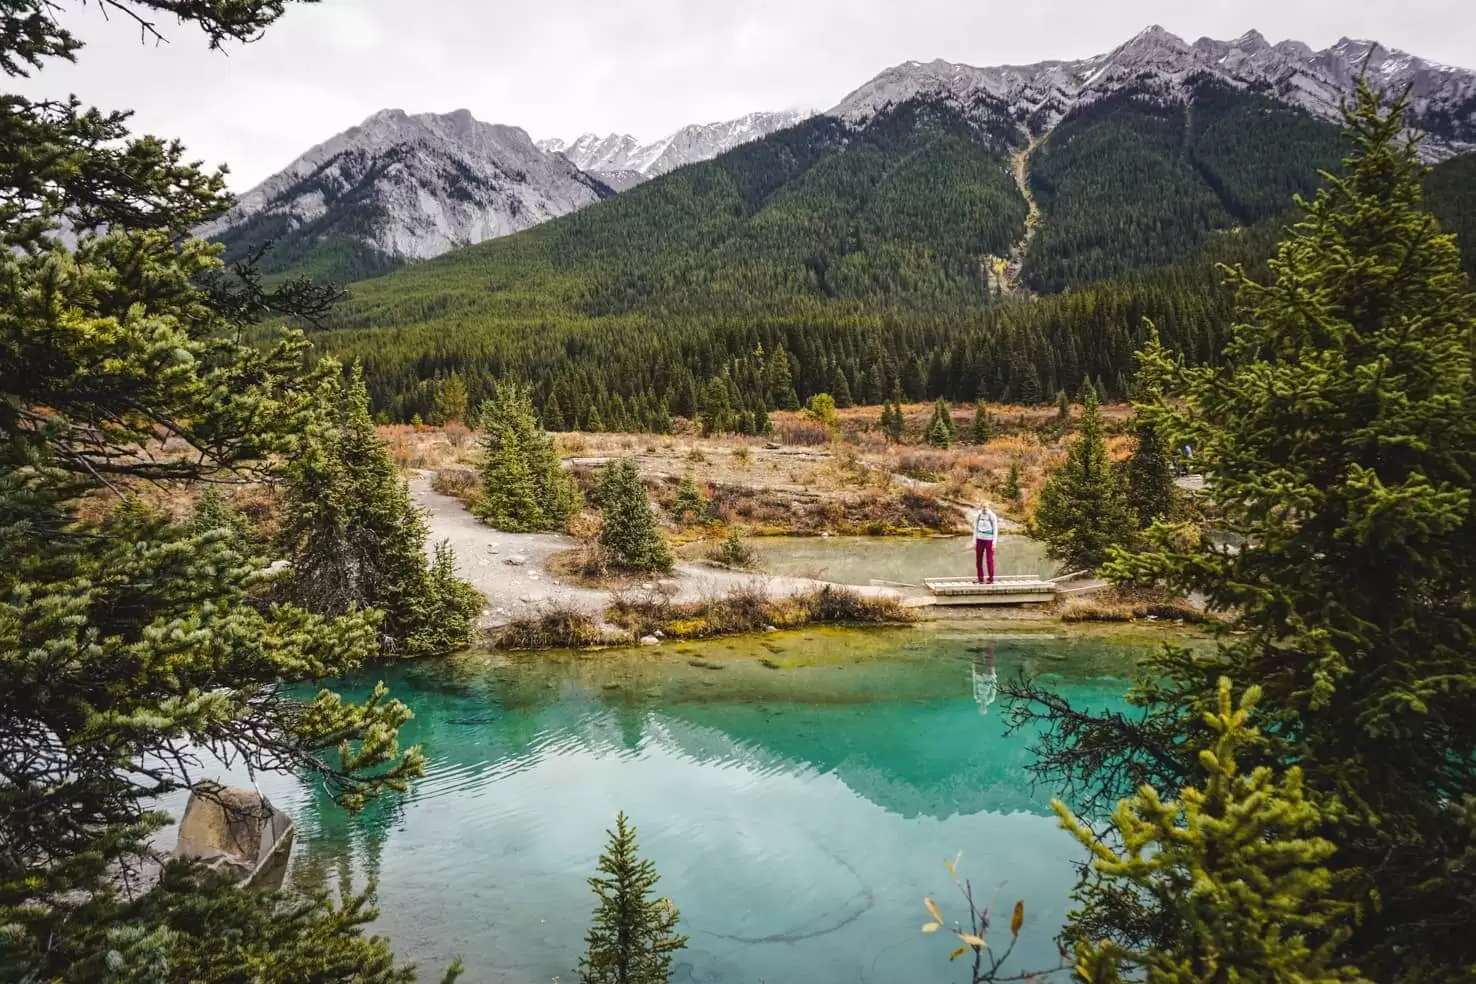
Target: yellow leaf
(1018, 919)
(933, 909)
(973, 940)
(931, 927)
(952, 866)
(957, 953)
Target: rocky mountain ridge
(617, 152)
(1157, 63)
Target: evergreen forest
(868, 257)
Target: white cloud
(560, 67)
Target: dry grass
(749, 609)
(430, 447)
(556, 626)
(1123, 605)
(459, 483)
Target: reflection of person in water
(986, 681)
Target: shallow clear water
(798, 815)
(860, 559)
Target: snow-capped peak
(417, 185)
(698, 142)
(1157, 62)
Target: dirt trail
(510, 569)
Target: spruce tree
(940, 426)
(938, 435)
(690, 505)
(629, 531)
(126, 636)
(1235, 869)
(983, 427)
(524, 486)
(1150, 476)
(1063, 406)
(840, 388)
(780, 381)
(761, 423)
(356, 541)
(1083, 508)
(715, 408)
(1012, 483)
(1338, 439)
(632, 937)
(451, 400)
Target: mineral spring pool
(860, 559)
(799, 793)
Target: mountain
(399, 187)
(991, 234)
(1157, 63)
(623, 154)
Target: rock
(650, 640)
(526, 600)
(771, 446)
(278, 566)
(234, 830)
(659, 634)
(648, 586)
(516, 560)
(533, 576)
(483, 562)
(770, 628)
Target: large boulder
(236, 831)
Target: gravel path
(510, 569)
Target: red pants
(984, 550)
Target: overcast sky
(646, 67)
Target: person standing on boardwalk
(986, 531)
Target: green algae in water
(797, 816)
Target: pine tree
(1150, 476)
(1235, 871)
(524, 486)
(629, 531)
(356, 541)
(780, 382)
(1083, 508)
(690, 505)
(1063, 406)
(715, 408)
(983, 427)
(840, 388)
(761, 423)
(553, 415)
(890, 416)
(213, 512)
(633, 937)
(940, 426)
(125, 633)
(1338, 438)
(451, 400)
(1012, 483)
(938, 435)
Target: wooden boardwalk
(1011, 589)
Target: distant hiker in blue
(986, 531)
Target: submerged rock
(236, 831)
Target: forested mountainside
(872, 257)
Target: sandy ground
(510, 569)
